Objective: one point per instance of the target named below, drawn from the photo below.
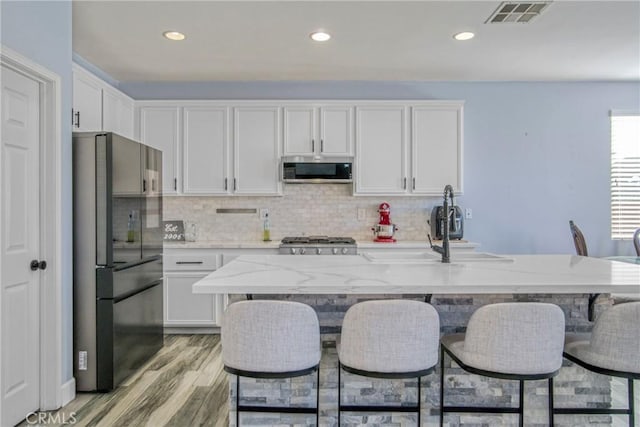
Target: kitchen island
(332, 284)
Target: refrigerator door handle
(104, 227)
(137, 291)
(137, 263)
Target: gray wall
(536, 153)
(41, 31)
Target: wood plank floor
(182, 385)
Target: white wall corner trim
(68, 391)
(52, 392)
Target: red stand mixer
(384, 229)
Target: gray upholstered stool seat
(612, 348)
(516, 341)
(388, 339)
(270, 339)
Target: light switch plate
(264, 213)
(362, 214)
(468, 213)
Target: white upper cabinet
(436, 146)
(87, 102)
(300, 131)
(98, 106)
(381, 134)
(256, 145)
(336, 130)
(390, 161)
(205, 150)
(318, 130)
(117, 113)
(160, 129)
(235, 147)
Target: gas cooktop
(318, 245)
(314, 240)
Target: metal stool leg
(318, 398)
(441, 386)
(237, 400)
(631, 402)
(339, 401)
(419, 403)
(551, 422)
(521, 408)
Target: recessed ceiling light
(174, 35)
(465, 35)
(320, 36)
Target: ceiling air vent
(517, 12)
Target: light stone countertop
(548, 274)
(413, 244)
(215, 244)
(274, 244)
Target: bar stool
(388, 339)
(512, 341)
(612, 348)
(271, 339)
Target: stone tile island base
(573, 386)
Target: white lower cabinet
(185, 266)
(183, 308)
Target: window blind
(625, 174)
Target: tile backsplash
(305, 209)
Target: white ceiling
(372, 40)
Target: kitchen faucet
(444, 249)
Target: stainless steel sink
(431, 257)
(401, 257)
(478, 256)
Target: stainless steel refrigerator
(117, 251)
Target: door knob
(35, 264)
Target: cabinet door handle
(414, 183)
(321, 145)
(144, 185)
(153, 185)
(189, 262)
(225, 184)
(72, 120)
(313, 146)
(77, 124)
(175, 184)
(404, 184)
(235, 187)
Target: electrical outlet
(468, 213)
(362, 214)
(264, 213)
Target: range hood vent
(518, 12)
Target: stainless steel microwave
(312, 170)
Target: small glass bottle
(266, 232)
(130, 228)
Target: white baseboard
(68, 391)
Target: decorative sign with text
(173, 230)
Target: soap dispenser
(266, 231)
(131, 228)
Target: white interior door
(20, 244)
